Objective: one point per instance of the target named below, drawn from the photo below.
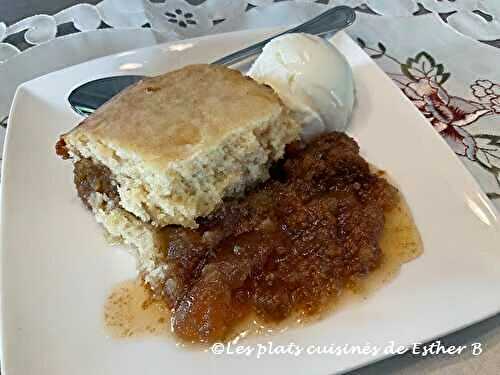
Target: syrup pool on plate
(130, 310)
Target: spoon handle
(326, 24)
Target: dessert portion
(312, 78)
(290, 246)
(176, 144)
(238, 199)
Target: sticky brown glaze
(90, 177)
(61, 149)
(289, 246)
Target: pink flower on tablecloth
(447, 114)
(422, 80)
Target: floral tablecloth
(452, 79)
(443, 55)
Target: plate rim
(24, 89)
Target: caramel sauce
(130, 310)
(400, 244)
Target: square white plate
(57, 269)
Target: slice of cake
(175, 145)
(169, 149)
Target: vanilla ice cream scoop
(312, 78)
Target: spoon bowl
(86, 98)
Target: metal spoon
(91, 95)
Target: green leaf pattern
(424, 66)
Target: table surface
(487, 332)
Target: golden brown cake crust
(179, 143)
(172, 116)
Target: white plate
(57, 269)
